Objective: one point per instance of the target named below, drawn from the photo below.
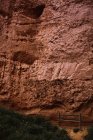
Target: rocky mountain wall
(46, 55)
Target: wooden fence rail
(70, 118)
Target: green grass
(14, 126)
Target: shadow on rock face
(24, 57)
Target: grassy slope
(17, 127)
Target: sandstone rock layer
(46, 55)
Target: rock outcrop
(46, 55)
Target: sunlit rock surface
(46, 55)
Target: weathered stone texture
(46, 55)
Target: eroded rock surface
(46, 55)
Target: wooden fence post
(80, 121)
(59, 118)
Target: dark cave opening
(38, 10)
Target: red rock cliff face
(46, 55)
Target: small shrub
(14, 126)
(90, 134)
